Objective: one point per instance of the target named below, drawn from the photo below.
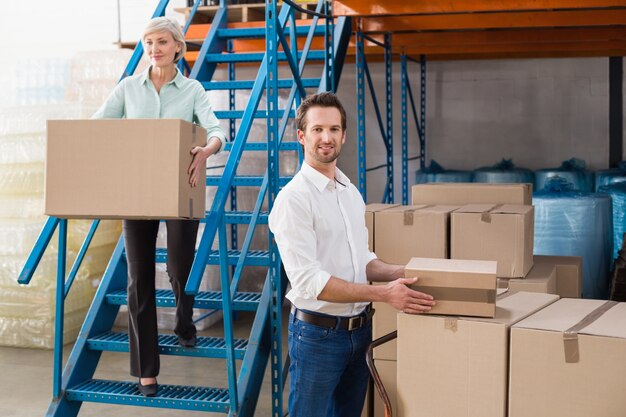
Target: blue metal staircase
(75, 384)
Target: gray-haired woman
(161, 91)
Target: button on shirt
(136, 97)
(319, 227)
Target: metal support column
(360, 113)
(405, 132)
(273, 142)
(389, 197)
(616, 105)
(329, 28)
(59, 312)
(422, 112)
(233, 132)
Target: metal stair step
(244, 180)
(244, 217)
(258, 33)
(258, 57)
(254, 258)
(169, 396)
(207, 300)
(206, 347)
(238, 114)
(262, 146)
(248, 84)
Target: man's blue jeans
(328, 371)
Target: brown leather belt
(335, 322)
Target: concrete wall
(538, 112)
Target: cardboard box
(460, 287)
(541, 278)
(388, 375)
(458, 367)
(383, 323)
(502, 233)
(405, 232)
(472, 193)
(568, 361)
(370, 212)
(130, 169)
(569, 274)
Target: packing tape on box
(451, 323)
(474, 295)
(408, 217)
(570, 336)
(485, 216)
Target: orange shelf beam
(608, 48)
(501, 36)
(404, 7)
(493, 20)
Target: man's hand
(403, 298)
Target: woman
(161, 92)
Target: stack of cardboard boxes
(487, 231)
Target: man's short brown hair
(326, 99)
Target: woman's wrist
(213, 145)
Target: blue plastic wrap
(571, 223)
(617, 191)
(436, 173)
(504, 172)
(573, 171)
(611, 176)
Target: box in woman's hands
(123, 168)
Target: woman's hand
(200, 155)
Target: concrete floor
(26, 378)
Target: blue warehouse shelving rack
(291, 44)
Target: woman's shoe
(149, 390)
(188, 343)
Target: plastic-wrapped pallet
(572, 223)
(25, 302)
(39, 333)
(611, 176)
(573, 171)
(27, 312)
(21, 178)
(19, 235)
(107, 233)
(41, 80)
(21, 206)
(436, 173)
(504, 172)
(617, 191)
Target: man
(319, 224)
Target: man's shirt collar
(321, 181)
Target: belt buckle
(354, 323)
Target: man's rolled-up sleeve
(291, 222)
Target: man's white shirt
(319, 227)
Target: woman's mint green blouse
(182, 98)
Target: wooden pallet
(254, 12)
